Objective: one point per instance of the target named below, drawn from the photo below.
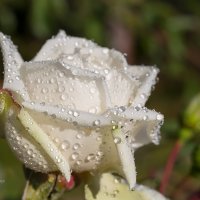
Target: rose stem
(170, 165)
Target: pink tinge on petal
(68, 185)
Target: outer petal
(112, 187)
(126, 156)
(52, 83)
(120, 88)
(44, 141)
(61, 44)
(73, 139)
(26, 148)
(143, 127)
(146, 79)
(102, 58)
(12, 64)
(139, 127)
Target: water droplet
(145, 117)
(44, 90)
(57, 140)
(96, 123)
(159, 117)
(10, 81)
(105, 50)
(70, 57)
(71, 89)
(78, 162)
(62, 97)
(79, 136)
(90, 157)
(137, 108)
(76, 146)
(92, 110)
(61, 74)
(74, 156)
(92, 90)
(17, 78)
(143, 96)
(62, 110)
(75, 114)
(52, 80)
(117, 140)
(65, 145)
(38, 80)
(61, 89)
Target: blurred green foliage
(165, 33)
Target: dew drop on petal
(96, 123)
(74, 156)
(65, 145)
(76, 146)
(117, 140)
(90, 157)
(145, 118)
(159, 117)
(79, 136)
(62, 97)
(61, 89)
(75, 114)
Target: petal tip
(61, 33)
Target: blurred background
(163, 33)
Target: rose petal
(61, 44)
(12, 64)
(72, 140)
(43, 139)
(126, 156)
(102, 58)
(120, 88)
(146, 79)
(54, 84)
(144, 126)
(25, 147)
(140, 124)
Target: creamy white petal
(150, 193)
(146, 79)
(43, 139)
(112, 187)
(143, 127)
(120, 88)
(72, 140)
(12, 63)
(54, 84)
(80, 117)
(102, 58)
(126, 156)
(25, 147)
(61, 44)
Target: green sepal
(42, 186)
(6, 102)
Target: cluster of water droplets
(26, 149)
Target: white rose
(81, 107)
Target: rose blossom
(80, 107)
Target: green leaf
(42, 187)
